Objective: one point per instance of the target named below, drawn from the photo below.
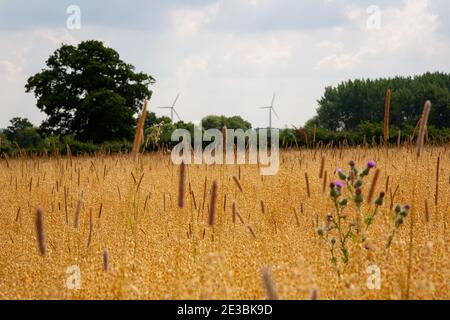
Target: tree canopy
(89, 92)
(22, 132)
(153, 119)
(351, 103)
(218, 122)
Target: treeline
(368, 134)
(352, 103)
(23, 138)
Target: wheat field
(118, 220)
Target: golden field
(157, 250)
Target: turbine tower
(271, 109)
(172, 109)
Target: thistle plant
(401, 212)
(344, 224)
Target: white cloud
(224, 71)
(188, 21)
(411, 27)
(9, 68)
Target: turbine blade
(276, 114)
(178, 116)
(273, 99)
(175, 102)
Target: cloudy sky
(229, 56)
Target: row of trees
(23, 135)
(346, 106)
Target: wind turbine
(271, 109)
(172, 109)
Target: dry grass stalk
(5, 156)
(139, 136)
(91, 227)
(322, 167)
(427, 212)
(119, 193)
(194, 201)
(324, 185)
(225, 202)
(308, 189)
(40, 235)
(386, 188)
(373, 186)
(225, 139)
(263, 207)
(251, 231)
(436, 195)
(236, 214)
(69, 154)
(18, 214)
(297, 220)
(423, 127)
(386, 116)
(100, 210)
(76, 221)
(105, 260)
(66, 205)
(182, 186)
(204, 192)
(238, 184)
(213, 204)
(269, 285)
(314, 294)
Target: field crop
(120, 220)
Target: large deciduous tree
(89, 92)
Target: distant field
(134, 242)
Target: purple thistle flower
(371, 164)
(339, 184)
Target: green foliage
(152, 119)
(5, 145)
(89, 92)
(351, 103)
(288, 138)
(24, 134)
(218, 122)
(78, 147)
